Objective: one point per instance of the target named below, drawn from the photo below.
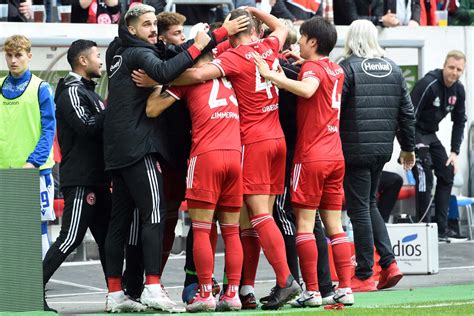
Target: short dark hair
(234, 14)
(167, 19)
(324, 32)
(76, 49)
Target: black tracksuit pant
(137, 186)
(431, 155)
(84, 207)
(360, 189)
(389, 187)
(284, 218)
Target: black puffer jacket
(375, 103)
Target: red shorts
(317, 185)
(215, 177)
(263, 166)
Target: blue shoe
(189, 292)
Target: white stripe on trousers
(154, 188)
(75, 220)
(282, 215)
(421, 178)
(134, 228)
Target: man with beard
(80, 117)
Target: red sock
(114, 284)
(168, 238)
(213, 237)
(308, 254)
(202, 251)
(273, 245)
(152, 279)
(341, 251)
(251, 249)
(233, 253)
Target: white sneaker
(308, 299)
(155, 297)
(202, 304)
(344, 296)
(118, 302)
(329, 300)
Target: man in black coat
(375, 104)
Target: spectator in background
(94, 11)
(389, 187)
(297, 10)
(28, 124)
(464, 14)
(427, 14)
(407, 11)
(347, 11)
(434, 96)
(375, 103)
(18, 10)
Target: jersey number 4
(336, 99)
(265, 84)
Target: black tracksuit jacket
(80, 116)
(433, 101)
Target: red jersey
(317, 118)
(258, 97)
(220, 48)
(214, 115)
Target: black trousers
(136, 186)
(285, 220)
(389, 187)
(431, 155)
(360, 189)
(84, 207)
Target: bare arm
(304, 88)
(195, 75)
(157, 102)
(279, 29)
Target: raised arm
(279, 30)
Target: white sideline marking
(82, 286)
(457, 268)
(103, 291)
(75, 294)
(438, 305)
(94, 262)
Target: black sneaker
(453, 236)
(443, 238)
(264, 300)
(248, 301)
(282, 295)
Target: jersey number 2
(214, 102)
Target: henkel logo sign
(376, 67)
(407, 247)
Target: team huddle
(199, 121)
